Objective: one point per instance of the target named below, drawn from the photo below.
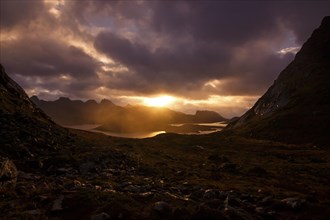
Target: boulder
(8, 175)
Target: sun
(159, 101)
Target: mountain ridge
(26, 131)
(116, 118)
(296, 107)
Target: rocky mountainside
(116, 118)
(26, 131)
(296, 108)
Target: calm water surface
(91, 127)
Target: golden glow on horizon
(160, 101)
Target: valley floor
(173, 177)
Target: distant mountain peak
(91, 101)
(106, 102)
(64, 99)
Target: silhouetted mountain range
(117, 118)
(296, 108)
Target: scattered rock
(268, 200)
(200, 147)
(8, 175)
(197, 195)
(27, 176)
(57, 204)
(85, 168)
(34, 212)
(230, 167)
(237, 213)
(146, 195)
(294, 203)
(101, 216)
(25, 189)
(62, 170)
(232, 201)
(214, 203)
(162, 208)
(132, 189)
(205, 212)
(214, 194)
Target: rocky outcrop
(8, 175)
(296, 107)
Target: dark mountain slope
(296, 108)
(26, 131)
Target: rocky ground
(49, 172)
(168, 177)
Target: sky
(192, 55)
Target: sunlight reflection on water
(91, 127)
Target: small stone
(101, 216)
(197, 195)
(259, 209)
(231, 201)
(62, 170)
(147, 194)
(230, 167)
(132, 189)
(214, 194)
(200, 147)
(34, 212)
(27, 176)
(294, 203)
(268, 200)
(57, 204)
(237, 213)
(98, 187)
(162, 207)
(77, 183)
(87, 167)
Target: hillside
(24, 126)
(296, 107)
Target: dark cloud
(173, 47)
(220, 21)
(17, 12)
(213, 31)
(49, 65)
(163, 69)
(47, 57)
(238, 21)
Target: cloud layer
(194, 50)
